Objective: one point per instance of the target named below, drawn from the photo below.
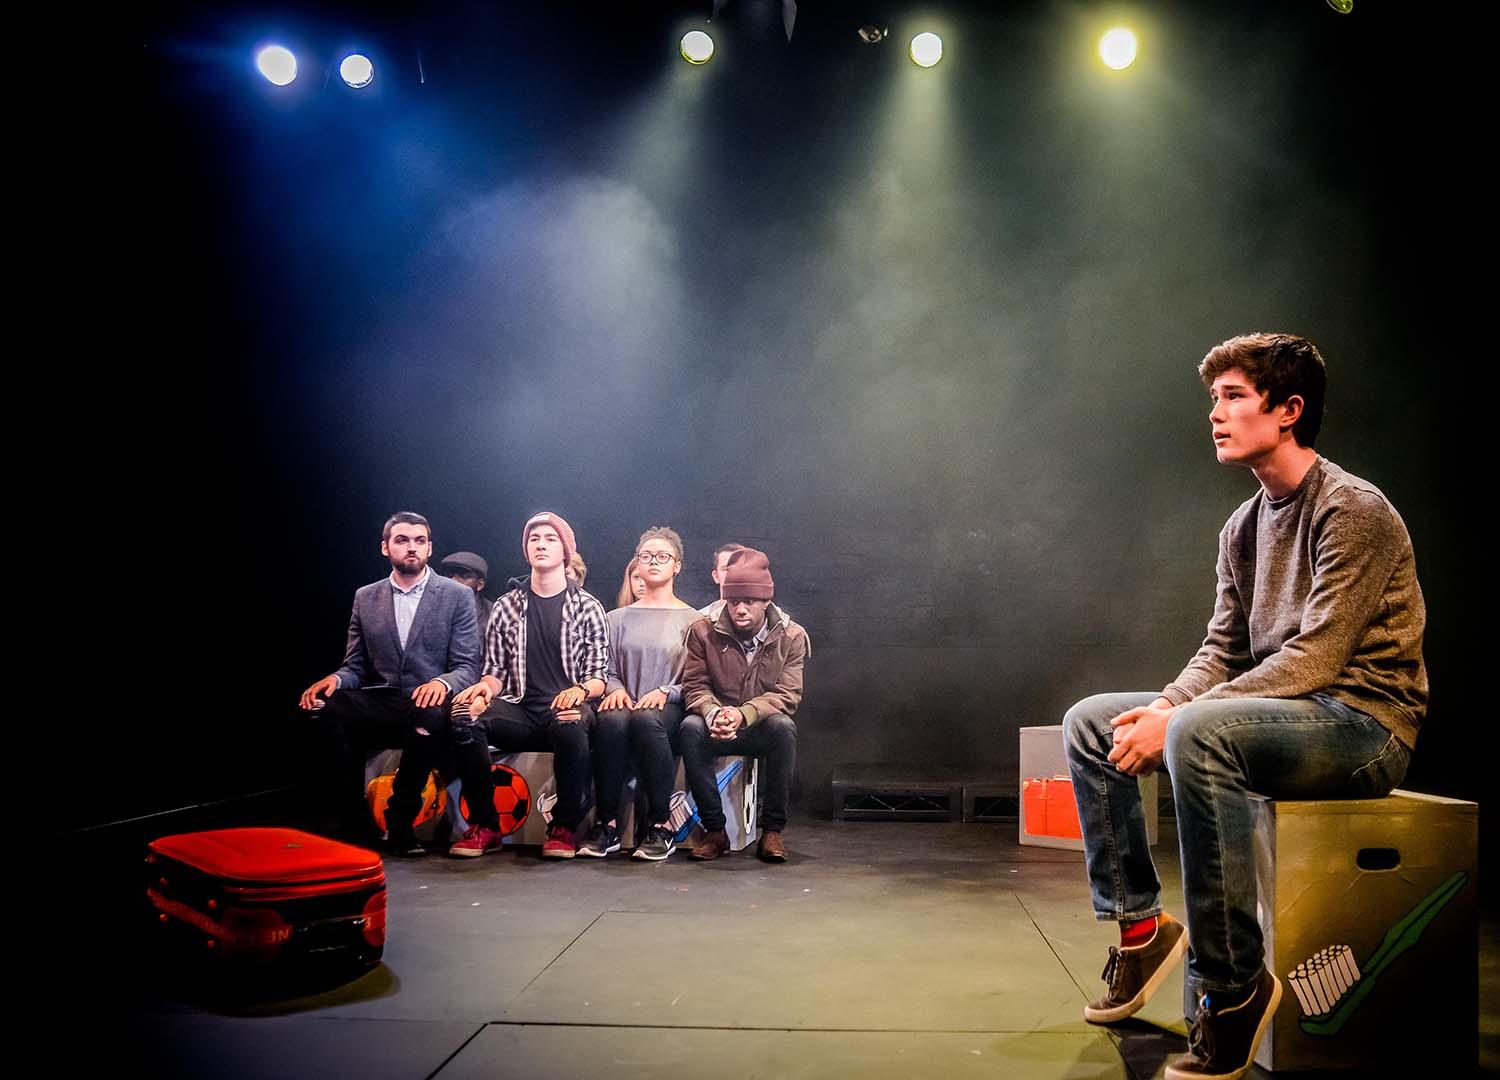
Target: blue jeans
(1216, 752)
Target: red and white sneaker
(479, 840)
(560, 843)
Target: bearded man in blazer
(413, 643)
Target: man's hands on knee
(476, 697)
(1141, 737)
(430, 693)
(314, 696)
(569, 699)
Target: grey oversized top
(1317, 593)
(646, 649)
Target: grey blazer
(443, 642)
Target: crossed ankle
(1227, 1000)
(1136, 932)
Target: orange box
(1062, 809)
(1049, 807)
(1049, 814)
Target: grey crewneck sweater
(646, 649)
(1317, 593)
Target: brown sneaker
(1135, 973)
(711, 846)
(770, 848)
(1222, 1041)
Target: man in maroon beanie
(546, 652)
(741, 685)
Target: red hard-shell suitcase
(270, 894)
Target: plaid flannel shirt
(585, 640)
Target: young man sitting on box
(1309, 685)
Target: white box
(739, 792)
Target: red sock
(1137, 932)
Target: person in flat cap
(470, 569)
(742, 683)
(546, 653)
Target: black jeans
(772, 737)
(511, 728)
(355, 724)
(608, 744)
(653, 745)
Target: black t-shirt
(545, 678)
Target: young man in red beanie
(742, 682)
(545, 657)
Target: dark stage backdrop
(927, 337)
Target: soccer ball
(512, 798)
(379, 793)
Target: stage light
(697, 47)
(357, 70)
(277, 64)
(1117, 48)
(1343, 7)
(926, 49)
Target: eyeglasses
(655, 558)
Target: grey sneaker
(602, 840)
(1134, 974)
(657, 845)
(1223, 1039)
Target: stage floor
(878, 950)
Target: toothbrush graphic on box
(1329, 984)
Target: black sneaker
(1135, 973)
(657, 845)
(1223, 1039)
(602, 840)
(403, 844)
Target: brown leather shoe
(711, 846)
(770, 848)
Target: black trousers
(773, 738)
(652, 739)
(355, 724)
(511, 728)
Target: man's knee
(779, 728)
(1084, 724)
(465, 731)
(323, 721)
(434, 719)
(1193, 734)
(571, 736)
(694, 731)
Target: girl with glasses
(642, 705)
